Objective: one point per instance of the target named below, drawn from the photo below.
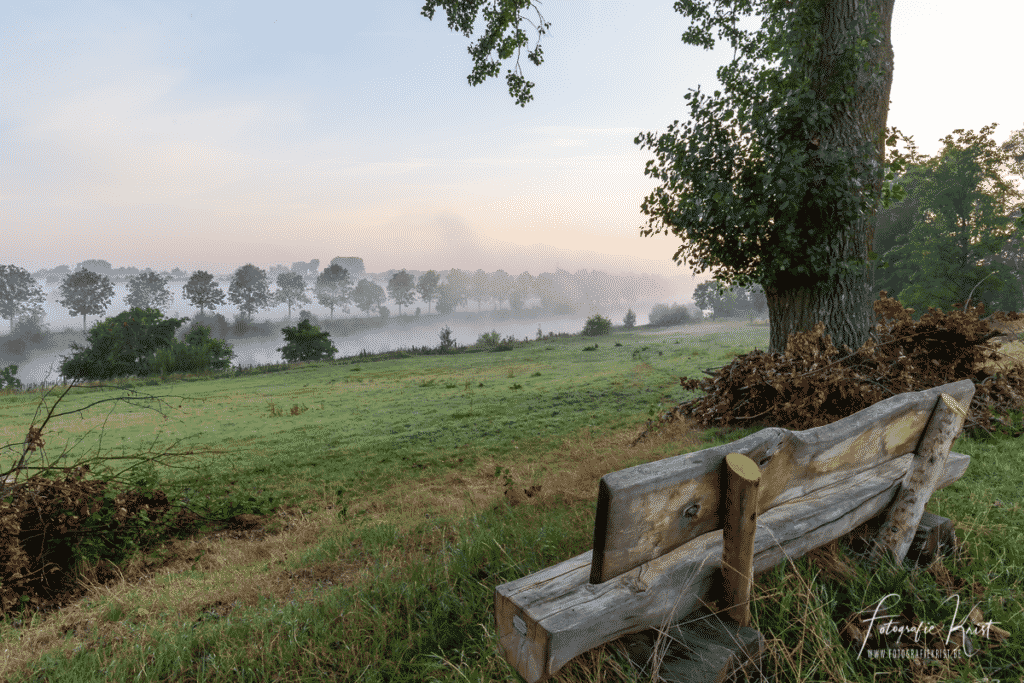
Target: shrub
(665, 316)
(217, 324)
(121, 346)
(8, 379)
(596, 325)
(384, 312)
(198, 354)
(30, 328)
(630, 320)
(506, 344)
(488, 339)
(447, 340)
(306, 315)
(306, 342)
(492, 341)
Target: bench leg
(708, 647)
(703, 647)
(935, 537)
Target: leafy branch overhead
(462, 14)
(760, 160)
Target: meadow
(404, 490)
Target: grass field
(400, 493)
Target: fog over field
(466, 324)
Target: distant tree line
(88, 289)
(730, 302)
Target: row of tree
(85, 292)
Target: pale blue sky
(214, 134)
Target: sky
(207, 135)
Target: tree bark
(844, 303)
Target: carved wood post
(739, 526)
(904, 515)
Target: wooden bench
(662, 529)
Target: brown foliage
(811, 385)
(41, 522)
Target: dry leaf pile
(813, 384)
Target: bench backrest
(647, 511)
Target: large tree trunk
(844, 302)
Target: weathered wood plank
(904, 514)
(646, 511)
(547, 618)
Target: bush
(305, 343)
(122, 345)
(488, 339)
(306, 315)
(492, 341)
(447, 340)
(630, 320)
(198, 354)
(384, 312)
(217, 324)
(666, 316)
(8, 379)
(30, 328)
(596, 325)
(506, 344)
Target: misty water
(466, 327)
